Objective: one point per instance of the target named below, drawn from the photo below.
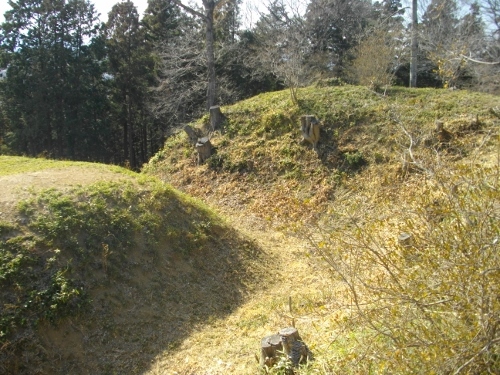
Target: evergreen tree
(335, 27)
(388, 13)
(131, 66)
(227, 21)
(162, 21)
(51, 96)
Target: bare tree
(491, 9)
(181, 91)
(414, 44)
(378, 57)
(284, 45)
(208, 19)
(422, 277)
(458, 44)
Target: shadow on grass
(145, 293)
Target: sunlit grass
(19, 164)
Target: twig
(479, 61)
(486, 347)
(290, 308)
(410, 153)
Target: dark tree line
(80, 89)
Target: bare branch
(480, 62)
(194, 12)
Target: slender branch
(479, 61)
(190, 10)
(486, 347)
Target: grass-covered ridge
(110, 256)
(20, 164)
(278, 177)
(383, 172)
(67, 237)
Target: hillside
(382, 170)
(262, 169)
(103, 269)
(106, 271)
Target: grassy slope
(18, 164)
(101, 277)
(169, 288)
(377, 155)
(262, 169)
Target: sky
(104, 7)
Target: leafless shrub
(426, 302)
(377, 59)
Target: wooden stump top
(273, 340)
(202, 141)
(290, 332)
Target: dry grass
(371, 158)
(205, 312)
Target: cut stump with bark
(293, 346)
(443, 136)
(310, 128)
(269, 348)
(286, 343)
(216, 117)
(204, 149)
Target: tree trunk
(192, 134)
(125, 131)
(208, 18)
(414, 45)
(209, 14)
(131, 151)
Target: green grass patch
(74, 240)
(19, 164)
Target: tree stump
(290, 333)
(310, 127)
(405, 239)
(192, 134)
(204, 149)
(269, 348)
(443, 135)
(287, 342)
(216, 117)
